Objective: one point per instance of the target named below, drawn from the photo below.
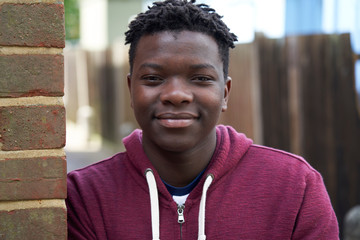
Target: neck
(180, 168)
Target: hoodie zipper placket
(181, 219)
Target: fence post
(32, 120)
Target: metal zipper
(181, 219)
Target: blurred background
(295, 71)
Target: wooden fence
(309, 107)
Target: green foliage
(72, 19)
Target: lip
(176, 120)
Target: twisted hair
(181, 15)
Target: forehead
(169, 44)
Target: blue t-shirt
(181, 191)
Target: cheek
(142, 99)
(138, 96)
(213, 101)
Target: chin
(176, 145)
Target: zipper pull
(180, 211)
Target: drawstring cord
(154, 202)
(208, 181)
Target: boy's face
(177, 89)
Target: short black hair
(181, 15)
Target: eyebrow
(194, 66)
(200, 66)
(151, 65)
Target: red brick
(39, 24)
(32, 127)
(34, 178)
(33, 224)
(31, 75)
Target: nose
(176, 92)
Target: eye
(152, 80)
(202, 79)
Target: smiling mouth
(176, 120)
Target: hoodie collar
(231, 146)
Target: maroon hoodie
(256, 193)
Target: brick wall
(32, 120)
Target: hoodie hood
(230, 148)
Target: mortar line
(32, 153)
(31, 101)
(17, 50)
(32, 1)
(29, 204)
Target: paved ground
(80, 159)
(82, 151)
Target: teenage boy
(181, 165)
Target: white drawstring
(154, 202)
(201, 234)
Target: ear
(227, 88)
(129, 87)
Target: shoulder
(293, 182)
(275, 166)
(278, 158)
